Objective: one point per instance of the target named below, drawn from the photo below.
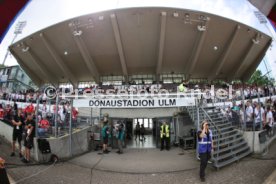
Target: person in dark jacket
(120, 135)
(137, 131)
(142, 132)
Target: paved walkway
(139, 161)
(271, 179)
(139, 166)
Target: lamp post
(18, 30)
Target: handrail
(217, 129)
(211, 121)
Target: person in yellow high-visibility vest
(165, 136)
(182, 87)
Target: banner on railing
(134, 103)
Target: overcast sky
(40, 14)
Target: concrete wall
(249, 136)
(129, 113)
(258, 147)
(6, 131)
(60, 146)
(136, 113)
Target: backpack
(44, 146)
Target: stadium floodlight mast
(18, 30)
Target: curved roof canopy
(142, 41)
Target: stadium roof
(144, 40)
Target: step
(228, 137)
(230, 147)
(218, 128)
(228, 124)
(224, 133)
(226, 128)
(213, 118)
(233, 153)
(217, 118)
(209, 107)
(239, 140)
(213, 114)
(221, 122)
(236, 158)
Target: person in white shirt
(245, 93)
(13, 96)
(249, 114)
(238, 94)
(43, 109)
(258, 115)
(34, 97)
(241, 117)
(22, 98)
(17, 97)
(269, 121)
(44, 97)
(61, 115)
(229, 113)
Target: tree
(258, 79)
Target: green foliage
(260, 80)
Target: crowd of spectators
(45, 116)
(236, 90)
(24, 96)
(255, 116)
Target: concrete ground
(140, 166)
(271, 179)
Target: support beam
(119, 44)
(161, 42)
(90, 64)
(221, 61)
(197, 48)
(247, 74)
(41, 68)
(35, 78)
(243, 61)
(157, 78)
(59, 62)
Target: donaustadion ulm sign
(134, 103)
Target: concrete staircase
(229, 144)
